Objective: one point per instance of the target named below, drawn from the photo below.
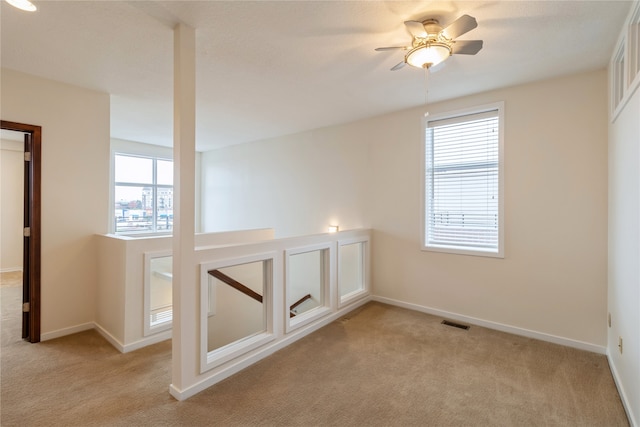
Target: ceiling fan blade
(398, 66)
(416, 28)
(379, 49)
(460, 26)
(438, 67)
(466, 47)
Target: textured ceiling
(269, 68)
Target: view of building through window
(143, 194)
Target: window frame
(154, 185)
(496, 106)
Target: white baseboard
(568, 342)
(621, 391)
(122, 348)
(126, 348)
(66, 331)
(10, 269)
(107, 336)
(149, 340)
(240, 363)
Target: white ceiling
(270, 68)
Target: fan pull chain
(426, 89)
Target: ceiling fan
(431, 44)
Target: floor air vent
(455, 325)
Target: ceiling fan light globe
(428, 56)
(25, 5)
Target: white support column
(185, 287)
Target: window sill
(460, 251)
(133, 236)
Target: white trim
(326, 250)
(10, 269)
(239, 364)
(622, 47)
(365, 291)
(110, 338)
(147, 341)
(621, 391)
(212, 359)
(626, 98)
(618, 80)
(67, 331)
(567, 342)
(136, 345)
(306, 318)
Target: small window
(143, 194)
(617, 77)
(634, 45)
(463, 182)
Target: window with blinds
(463, 183)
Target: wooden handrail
(250, 292)
(236, 285)
(297, 303)
(300, 301)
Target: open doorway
(30, 226)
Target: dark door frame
(32, 211)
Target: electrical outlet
(620, 344)
(609, 319)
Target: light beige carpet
(378, 366)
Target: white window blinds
(462, 188)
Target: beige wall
(298, 184)
(553, 277)
(11, 181)
(110, 316)
(75, 174)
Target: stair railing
(236, 285)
